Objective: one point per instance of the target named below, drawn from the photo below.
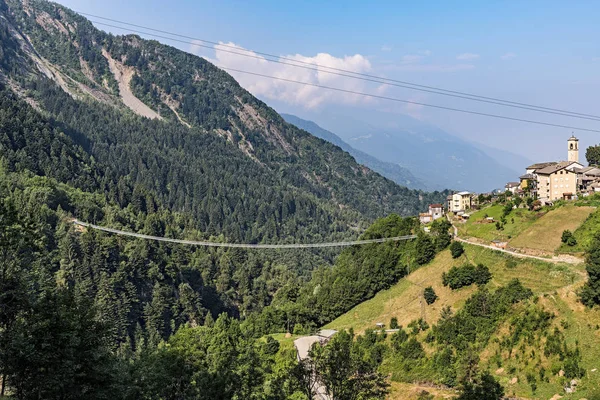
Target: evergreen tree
(590, 293)
(425, 249)
(484, 387)
(456, 249)
(430, 295)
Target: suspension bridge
(243, 245)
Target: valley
(166, 234)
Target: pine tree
(590, 293)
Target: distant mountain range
(435, 157)
(394, 172)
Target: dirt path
(560, 259)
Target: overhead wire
(472, 112)
(348, 73)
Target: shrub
(482, 274)
(398, 339)
(507, 209)
(412, 349)
(484, 387)
(466, 275)
(418, 326)
(394, 323)
(568, 238)
(430, 295)
(456, 249)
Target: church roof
(573, 138)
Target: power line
(243, 245)
(351, 74)
(368, 94)
(412, 102)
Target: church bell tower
(573, 145)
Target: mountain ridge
(392, 171)
(433, 155)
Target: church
(555, 180)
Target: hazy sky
(540, 52)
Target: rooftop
(593, 171)
(527, 176)
(463, 193)
(554, 168)
(435, 205)
(541, 165)
(512, 184)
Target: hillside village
(542, 182)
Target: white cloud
(425, 52)
(467, 56)
(508, 56)
(293, 93)
(386, 48)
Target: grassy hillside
(403, 299)
(584, 234)
(554, 288)
(517, 221)
(545, 233)
(579, 325)
(536, 230)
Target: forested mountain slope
(207, 147)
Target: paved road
(303, 345)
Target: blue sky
(539, 52)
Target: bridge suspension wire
(243, 245)
(341, 72)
